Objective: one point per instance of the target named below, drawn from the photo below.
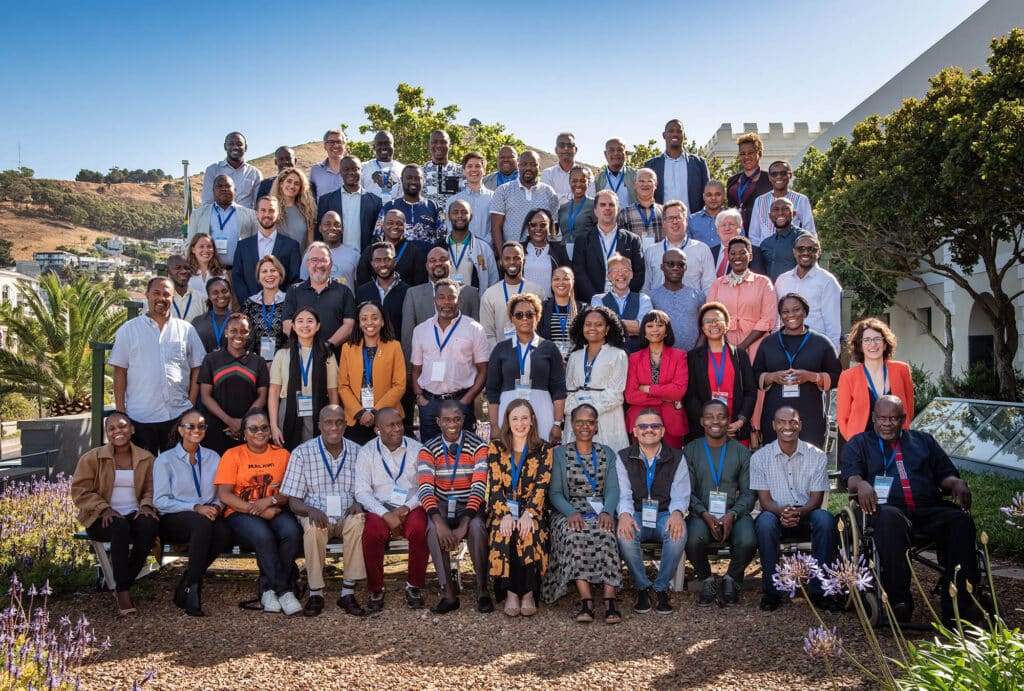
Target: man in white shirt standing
(819, 287)
(246, 178)
(383, 175)
(557, 176)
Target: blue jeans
(671, 553)
(819, 524)
(277, 544)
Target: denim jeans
(819, 524)
(277, 544)
(671, 553)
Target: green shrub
(990, 492)
(14, 406)
(925, 389)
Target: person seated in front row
(899, 477)
(790, 477)
(720, 504)
(654, 494)
(320, 485)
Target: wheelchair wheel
(850, 535)
(872, 606)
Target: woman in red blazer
(872, 343)
(657, 378)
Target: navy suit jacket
(756, 261)
(696, 177)
(590, 266)
(243, 272)
(369, 209)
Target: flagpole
(187, 212)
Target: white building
(9, 295)
(779, 145)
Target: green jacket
(735, 477)
(628, 179)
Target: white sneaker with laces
(289, 603)
(270, 602)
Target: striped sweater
(437, 483)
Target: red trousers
(375, 538)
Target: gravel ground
(736, 648)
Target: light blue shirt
(682, 307)
(228, 234)
(325, 179)
(702, 227)
(351, 205)
(174, 488)
(645, 303)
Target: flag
(188, 208)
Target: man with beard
(245, 177)
(700, 271)
(344, 259)
(186, 302)
(477, 196)
(387, 288)
(593, 249)
(267, 241)
(424, 222)
(513, 200)
(419, 300)
(702, 224)
(383, 175)
(777, 249)
(333, 302)
(472, 256)
(408, 254)
(357, 208)
(506, 172)
(494, 303)
(442, 179)
(680, 302)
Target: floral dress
(532, 497)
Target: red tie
(722, 261)
(904, 479)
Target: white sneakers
(289, 603)
(270, 602)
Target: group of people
(631, 337)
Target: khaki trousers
(314, 544)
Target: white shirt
(676, 182)
(789, 479)
(190, 305)
(537, 267)
(265, 243)
(159, 364)
(700, 265)
(247, 179)
(379, 470)
(392, 171)
(559, 179)
(823, 293)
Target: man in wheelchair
(899, 477)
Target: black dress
(816, 355)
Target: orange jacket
(388, 378)
(853, 397)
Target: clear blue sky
(144, 85)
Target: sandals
(611, 615)
(586, 613)
(121, 610)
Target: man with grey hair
(643, 218)
(617, 176)
(325, 177)
(557, 176)
(332, 301)
(513, 200)
(246, 178)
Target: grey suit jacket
(246, 220)
(419, 307)
(628, 179)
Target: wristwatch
(559, 424)
(273, 499)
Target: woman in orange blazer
(371, 347)
(657, 378)
(872, 343)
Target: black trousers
(206, 539)
(954, 533)
(131, 540)
(154, 437)
(522, 578)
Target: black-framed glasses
(193, 426)
(873, 340)
(524, 315)
(257, 428)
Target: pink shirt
(752, 307)
(466, 348)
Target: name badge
(267, 348)
(563, 348)
(398, 495)
(723, 395)
(458, 278)
(366, 397)
(883, 484)
(221, 244)
(437, 370)
(452, 505)
(717, 503)
(649, 514)
(305, 405)
(584, 397)
(596, 503)
(513, 508)
(523, 387)
(431, 191)
(791, 391)
(334, 506)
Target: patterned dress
(591, 554)
(532, 497)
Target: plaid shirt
(629, 218)
(789, 479)
(306, 477)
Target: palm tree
(53, 358)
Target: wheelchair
(857, 537)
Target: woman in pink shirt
(749, 297)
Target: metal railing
(49, 456)
(99, 364)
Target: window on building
(924, 315)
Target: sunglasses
(649, 426)
(524, 315)
(778, 173)
(257, 428)
(584, 423)
(192, 426)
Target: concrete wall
(70, 435)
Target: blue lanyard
(451, 332)
(719, 373)
(573, 215)
(504, 287)
(620, 307)
(647, 220)
(517, 469)
(886, 462)
(608, 177)
(465, 246)
(224, 221)
(268, 324)
(871, 384)
(522, 356)
(387, 470)
(188, 306)
(741, 188)
(458, 455)
(197, 479)
(588, 365)
(792, 358)
(218, 332)
(715, 477)
(563, 319)
(304, 368)
(664, 244)
(592, 479)
(398, 257)
(327, 464)
(368, 365)
(502, 179)
(385, 177)
(651, 466)
(609, 251)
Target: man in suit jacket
(267, 241)
(617, 176)
(592, 250)
(387, 283)
(419, 300)
(223, 220)
(686, 174)
(351, 192)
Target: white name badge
(596, 503)
(334, 506)
(523, 387)
(723, 395)
(649, 514)
(385, 192)
(452, 505)
(437, 370)
(431, 191)
(366, 397)
(267, 348)
(398, 495)
(716, 504)
(584, 397)
(563, 348)
(305, 405)
(791, 391)
(883, 485)
(221, 244)
(458, 278)
(513, 508)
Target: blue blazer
(369, 209)
(243, 272)
(696, 177)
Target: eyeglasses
(670, 219)
(873, 340)
(675, 265)
(314, 260)
(257, 428)
(649, 426)
(778, 173)
(333, 142)
(806, 249)
(193, 426)
(524, 315)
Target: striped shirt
(437, 481)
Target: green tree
(53, 334)
(86, 175)
(936, 187)
(412, 119)
(119, 282)
(6, 258)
